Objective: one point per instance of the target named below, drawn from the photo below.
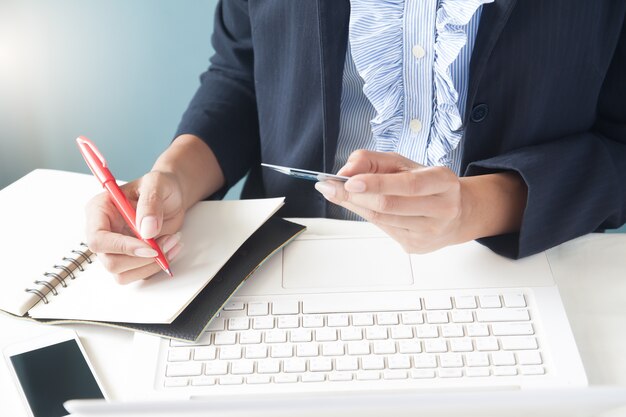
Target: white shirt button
(415, 125)
(418, 51)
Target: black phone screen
(51, 375)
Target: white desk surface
(590, 272)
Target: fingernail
(325, 188)
(174, 252)
(148, 227)
(145, 252)
(355, 186)
(171, 242)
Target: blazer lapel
(494, 17)
(333, 17)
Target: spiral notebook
(50, 276)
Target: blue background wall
(119, 72)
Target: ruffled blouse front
(380, 44)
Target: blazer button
(479, 113)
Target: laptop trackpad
(345, 263)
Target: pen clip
(86, 142)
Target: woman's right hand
(158, 199)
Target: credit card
(305, 174)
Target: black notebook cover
(189, 325)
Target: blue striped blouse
(405, 80)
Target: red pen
(98, 165)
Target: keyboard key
(372, 363)
(465, 301)
(320, 364)
(461, 344)
(326, 335)
(512, 329)
(263, 323)
(281, 351)
(533, 370)
(426, 331)
(313, 377)
(217, 324)
(398, 362)
(340, 376)
(409, 346)
(312, 320)
(362, 319)
(285, 378)
(502, 314)
(230, 380)
(184, 369)
(434, 302)
(367, 375)
(450, 373)
(347, 363)
(477, 372)
(234, 306)
(337, 320)
(285, 307)
(529, 357)
(258, 379)
(452, 330)
(268, 366)
(477, 359)
(502, 358)
(230, 352)
(376, 333)
(401, 332)
(250, 337)
(255, 352)
(489, 301)
(451, 360)
(514, 300)
(300, 335)
(216, 368)
(462, 316)
(424, 361)
(477, 329)
(258, 309)
(518, 343)
(307, 350)
(504, 371)
(358, 348)
(394, 374)
(294, 365)
(387, 318)
(176, 382)
(412, 317)
(205, 353)
(384, 347)
(242, 367)
(332, 349)
(239, 323)
(436, 317)
(275, 336)
(288, 322)
(179, 354)
(351, 333)
(486, 343)
(421, 373)
(225, 338)
(435, 346)
(203, 381)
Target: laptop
(569, 402)
(344, 309)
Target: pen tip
(169, 272)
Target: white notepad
(42, 221)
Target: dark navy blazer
(547, 99)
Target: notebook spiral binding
(74, 263)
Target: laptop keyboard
(452, 337)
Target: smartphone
(50, 370)
(305, 174)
